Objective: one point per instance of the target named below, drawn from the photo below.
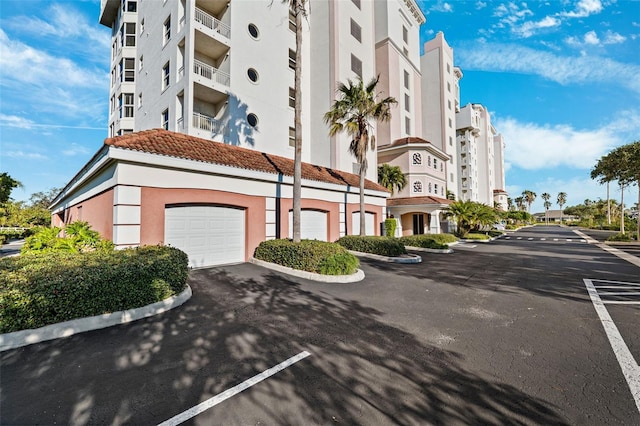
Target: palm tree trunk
(297, 165)
(363, 227)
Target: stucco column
(434, 223)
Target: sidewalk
(12, 248)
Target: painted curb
(429, 250)
(338, 279)
(22, 338)
(413, 258)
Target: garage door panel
(313, 225)
(369, 223)
(210, 235)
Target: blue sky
(561, 79)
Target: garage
(210, 235)
(369, 224)
(313, 225)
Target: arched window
(417, 159)
(417, 186)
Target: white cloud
(577, 188)
(584, 8)
(481, 5)
(529, 28)
(591, 38)
(613, 38)
(75, 149)
(22, 155)
(15, 121)
(497, 57)
(441, 6)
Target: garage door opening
(313, 225)
(369, 224)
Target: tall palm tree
(529, 197)
(356, 105)
(510, 205)
(391, 177)
(470, 215)
(520, 203)
(546, 197)
(561, 200)
(299, 10)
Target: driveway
(500, 333)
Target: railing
(181, 123)
(211, 73)
(212, 23)
(210, 124)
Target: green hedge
(424, 241)
(11, 234)
(308, 255)
(627, 237)
(47, 288)
(477, 236)
(384, 246)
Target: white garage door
(313, 225)
(369, 223)
(210, 235)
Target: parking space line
(213, 401)
(620, 302)
(628, 364)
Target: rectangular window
(451, 177)
(450, 123)
(167, 30)
(407, 102)
(125, 104)
(407, 125)
(292, 136)
(132, 6)
(166, 75)
(435, 163)
(449, 87)
(450, 141)
(292, 59)
(127, 71)
(356, 31)
(292, 21)
(449, 103)
(292, 97)
(165, 119)
(356, 65)
(406, 80)
(357, 3)
(405, 34)
(449, 68)
(130, 34)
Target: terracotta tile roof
(412, 201)
(405, 141)
(180, 145)
(496, 191)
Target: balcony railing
(212, 23)
(210, 124)
(211, 73)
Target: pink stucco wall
(97, 210)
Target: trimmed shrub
(384, 246)
(308, 255)
(477, 236)
(16, 234)
(79, 238)
(47, 288)
(3, 239)
(494, 233)
(622, 237)
(424, 241)
(442, 238)
(390, 226)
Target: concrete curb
(413, 258)
(338, 279)
(429, 250)
(22, 338)
(606, 247)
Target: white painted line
(213, 401)
(507, 238)
(530, 239)
(628, 364)
(621, 287)
(619, 302)
(621, 254)
(614, 282)
(543, 239)
(555, 239)
(519, 238)
(620, 293)
(583, 241)
(569, 239)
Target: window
(417, 159)
(292, 59)
(429, 161)
(253, 31)
(407, 125)
(132, 6)
(356, 65)
(417, 186)
(450, 141)
(449, 103)
(125, 105)
(449, 68)
(130, 34)
(252, 119)
(292, 21)
(451, 177)
(127, 70)
(430, 188)
(435, 188)
(407, 102)
(167, 30)
(356, 31)
(165, 119)
(448, 87)
(253, 75)
(441, 166)
(292, 136)
(292, 97)
(435, 163)
(166, 75)
(114, 76)
(405, 34)
(357, 3)
(450, 123)
(406, 80)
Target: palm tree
(470, 215)
(520, 203)
(356, 106)
(546, 197)
(391, 177)
(298, 8)
(510, 205)
(561, 200)
(529, 197)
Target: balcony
(208, 124)
(210, 73)
(213, 23)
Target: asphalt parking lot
(499, 333)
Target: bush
(390, 226)
(47, 288)
(424, 241)
(15, 234)
(477, 236)
(494, 233)
(308, 255)
(3, 239)
(628, 237)
(79, 238)
(384, 246)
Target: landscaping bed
(52, 287)
(382, 246)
